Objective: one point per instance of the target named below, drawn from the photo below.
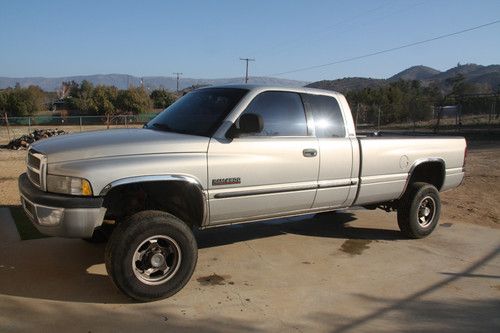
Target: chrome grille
(34, 177)
(33, 161)
(36, 168)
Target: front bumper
(60, 215)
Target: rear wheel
(151, 255)
(419, 210)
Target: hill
(485, 77)
(415, 73)
(348, 84)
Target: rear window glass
(328, 120)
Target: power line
(387, 50)
(246, 73)
(304, 35)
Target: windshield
(199, 112)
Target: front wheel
(419, 210)
(151, 255)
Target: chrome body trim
(419, 162)
(263, 191)
(155, 178)
(336, 183)
(268, 190)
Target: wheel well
(431, 172)
(182, 199)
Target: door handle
(309, 152)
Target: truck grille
(36, 168)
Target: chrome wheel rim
(426, 211)
(156, 260)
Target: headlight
(68, 185)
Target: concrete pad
(344, 272)
(8, 229)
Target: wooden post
(7, 124)
(80, 123)
(436, 129)
(378, 122)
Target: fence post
(436, 129)
(126, 121)
(378, 122)
(7, 124)
(356, 121)
(29, 125)
(80, 123)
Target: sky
(205, 39)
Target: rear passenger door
(266, 174)
(335, 150)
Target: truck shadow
(330, 225)
(57, 269)
(72, 270)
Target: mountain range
(488, 77)
(122, 81)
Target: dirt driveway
(343, 272)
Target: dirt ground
(476, 201)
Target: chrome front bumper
(60, 215)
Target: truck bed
(387, 161)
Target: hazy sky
(204, 39)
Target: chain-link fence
(13, 127)
(463, 115)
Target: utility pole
(246, 73)
(178, 75)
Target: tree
(3, 101)
(80, 98)
(459, 86)
(22, 101)
(66, 88)
(162, 98)
(105, 98)
(134, 100)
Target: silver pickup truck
(223, 155)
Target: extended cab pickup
(223, 155)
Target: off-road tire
(411, 211)
(124, 244)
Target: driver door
(267, 174)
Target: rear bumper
(60, 215)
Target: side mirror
(248, 123)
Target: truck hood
(118, 142)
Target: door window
(282, 113)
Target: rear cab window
(328, 118)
